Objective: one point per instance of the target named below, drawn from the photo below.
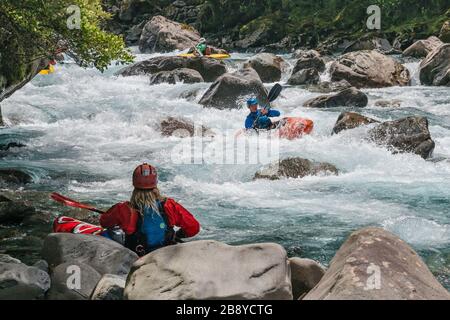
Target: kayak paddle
(273, 95)
(72, 203)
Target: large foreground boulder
(295, 168)
(163, 35)
(104, 255)
(73, 281)
(21, 282)
(110, 287)
(210, 270)
(374, 264)
(435, 68)
(210, 69)
(229, 91)
(178, 75)
(421, 48)
(350, 97)
(305, 275)
(351, 120)
(268, 66)
(369, 69)
(409, 134)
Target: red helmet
(145, 177)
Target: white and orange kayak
(289, 128)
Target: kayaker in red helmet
(149, 218)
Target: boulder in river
(268, 66)
(163, 35)
(13, 212)
(295, 168)
(445, 32)
(370, 43)
(351, 120)
(421, 48)
(182, 128)
(330, 86)
(175, 76)
(73, 280)
(210, 270)
(435, 68)
(305, 275)
(374, 264)
(104, 255)
(110, 287)
(13, 176)
(409, 134)
(308, 59)
(394, 103)
(231, 89)
(304, 76)
(210, 69)
(350, 97)
(369, 69)
(21, 282)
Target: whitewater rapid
(86, 131)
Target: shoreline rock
(435, 68)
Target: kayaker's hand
(264, 111)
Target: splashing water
(86, 131)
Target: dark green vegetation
(32, 30)
(306, 22)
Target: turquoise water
(86, 131)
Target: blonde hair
(146, 198)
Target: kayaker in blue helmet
(262, 115)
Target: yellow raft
(50, 70)
(212, 56)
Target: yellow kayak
(212, 56)
(50, 70)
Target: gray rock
(374, 264)
(232, 88)
(445, 32)
(182, 128)
(409, 134)
(305, 275)
(295, 168)
(369, 69)
(421, 48)
(21, 282)
(309, 59)
(178, 75)
(351, 120)
(210, 270)
(110, 287)
(134, 34)
(435, 68)
(13, 212)
(329, 86)
(104, 255)
(350, 97)
(73, 281)
(365, 43)
(163, 35)
(4, 258)
(210, 69)
(42, 265)
(268, 66)
(14, 176)
(304, 76)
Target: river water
(86, 131)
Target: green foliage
(36, 29)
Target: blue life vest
(154, 226)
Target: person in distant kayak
(260, 118)
(148, 219)
(202, 48)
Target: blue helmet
(252, 102)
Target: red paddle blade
(72, 203)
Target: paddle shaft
(72, 203)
